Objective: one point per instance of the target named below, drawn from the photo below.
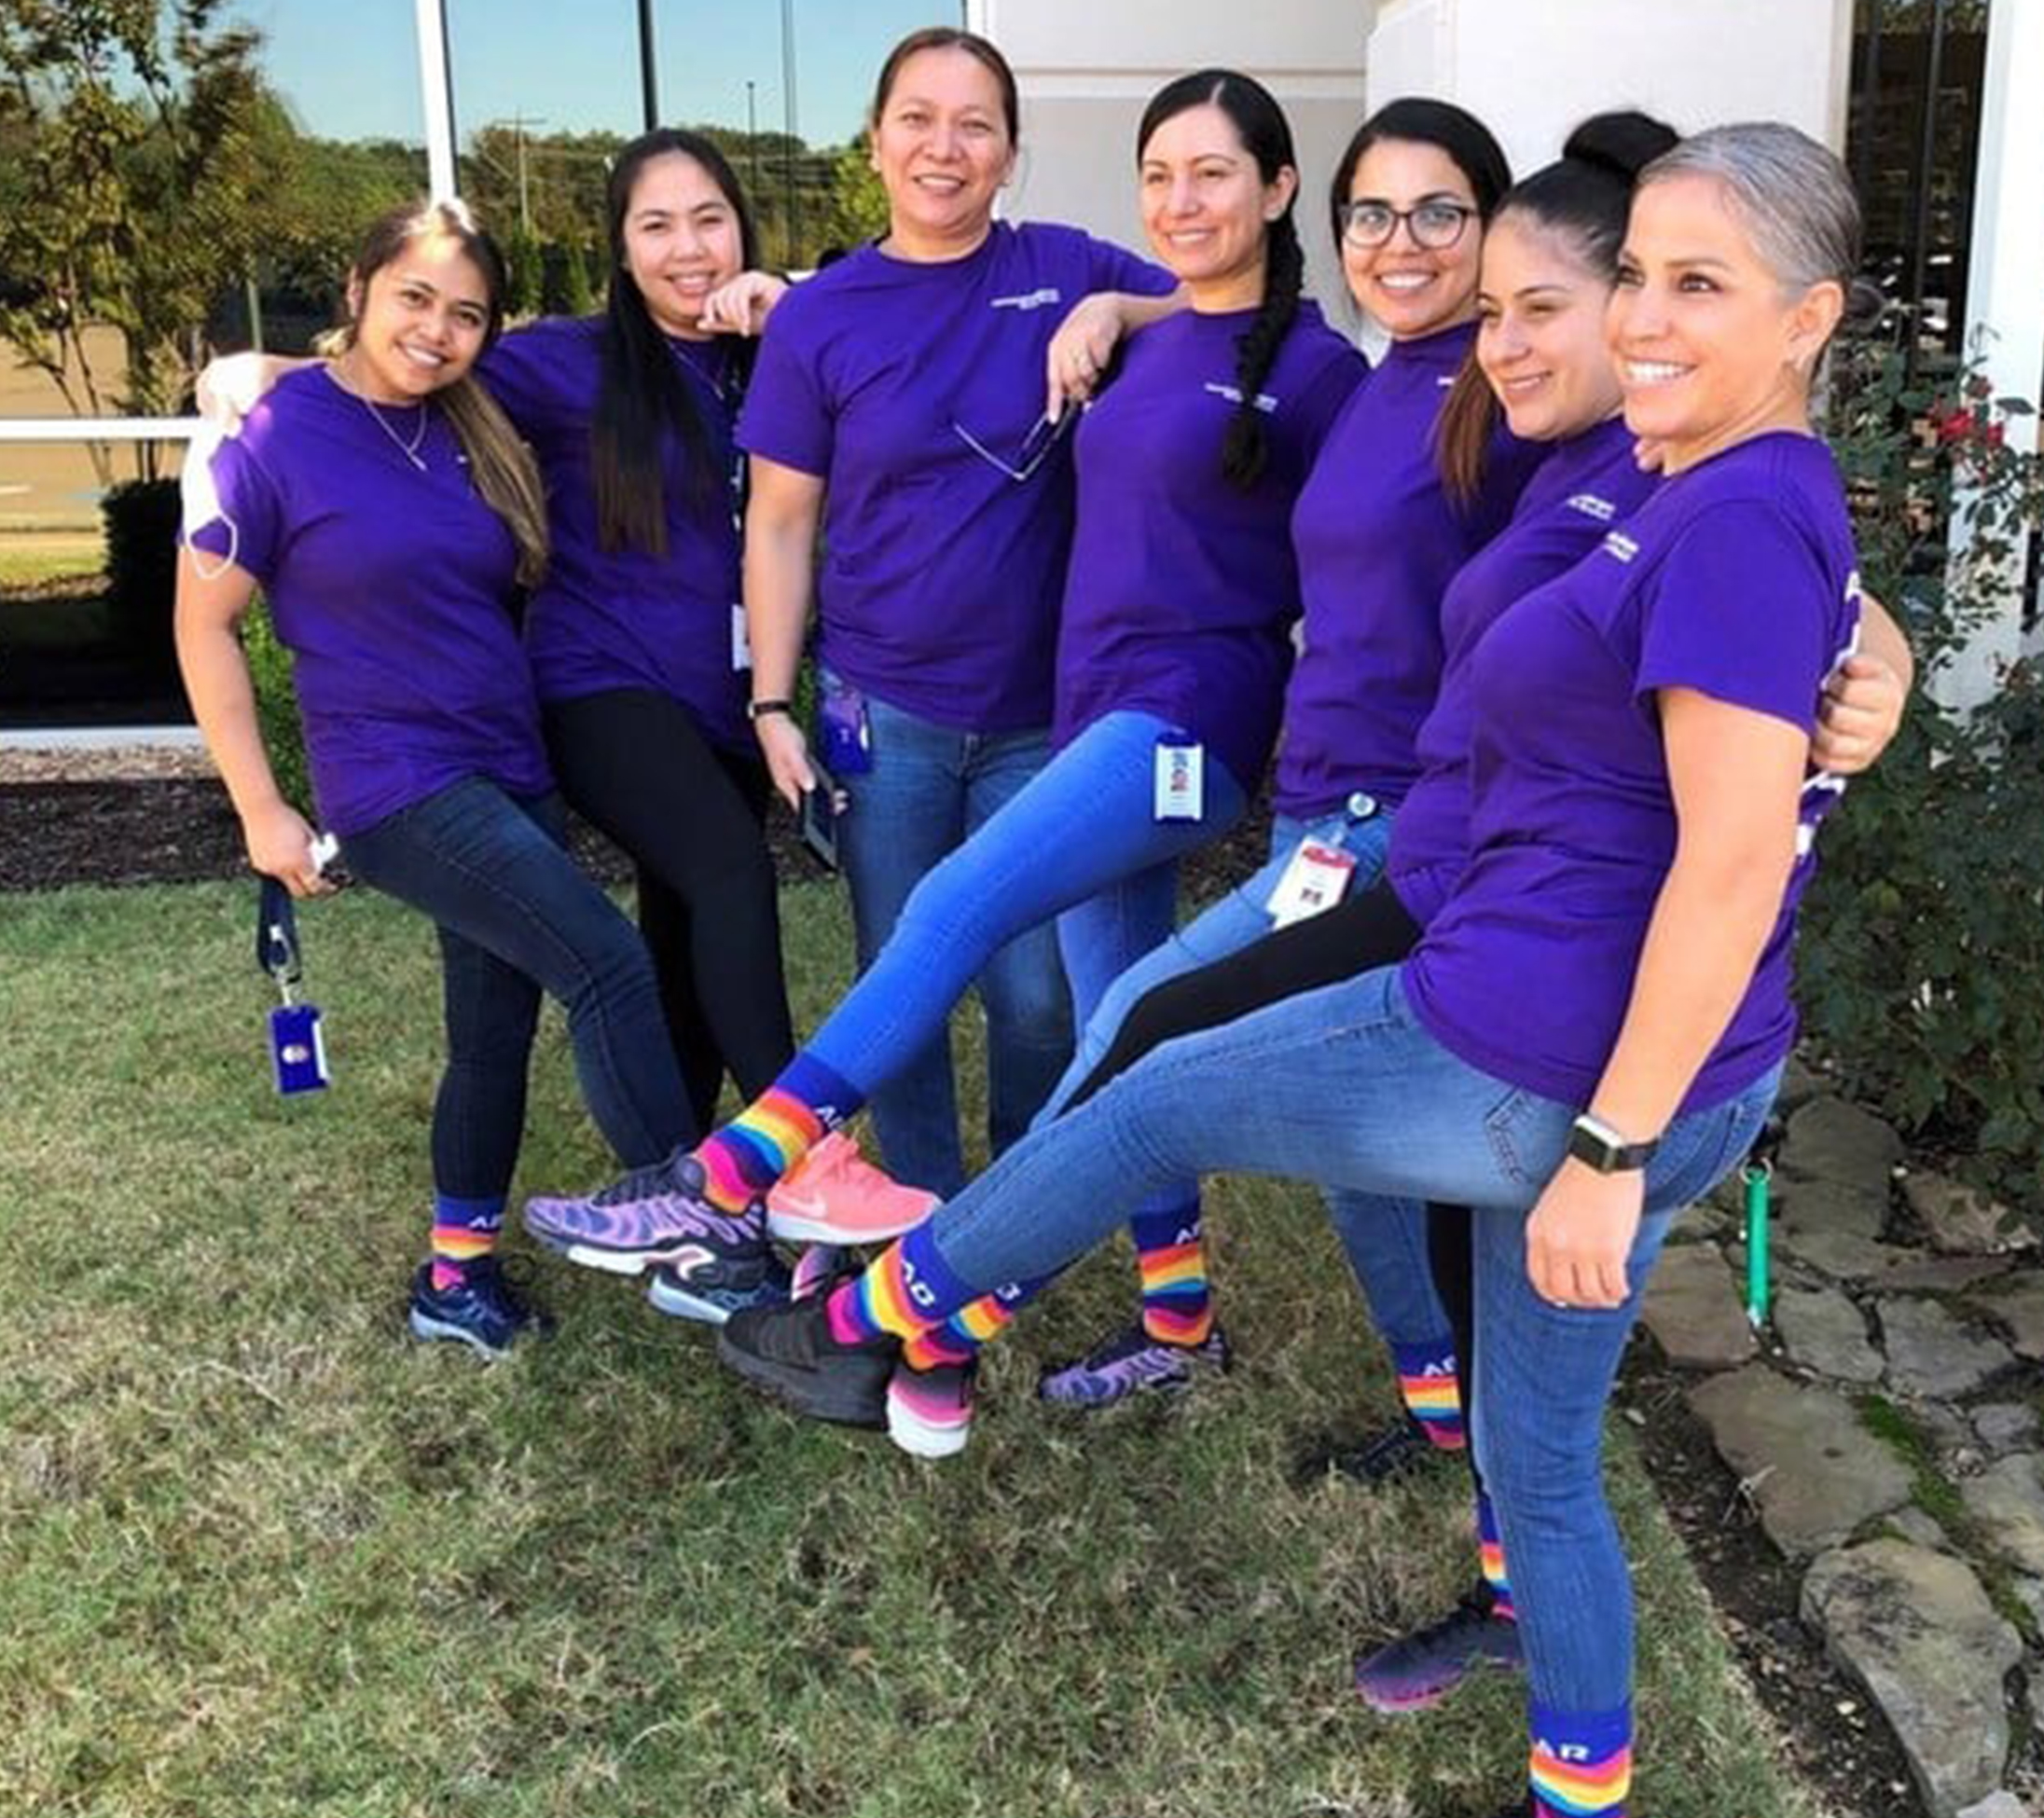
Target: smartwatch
(759, 709)
(1596, 1144)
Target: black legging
(692, 817)
(1359, 934)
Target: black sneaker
(1418, 1671)
(482, 1311)
(1399, 1451)
(790, 1353)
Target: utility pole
(518, 123)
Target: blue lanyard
(277, 938)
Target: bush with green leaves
(1922, 965)
(277, 706)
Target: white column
(2005, 299)
(438, 96)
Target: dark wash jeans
(517, 916)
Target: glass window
(784, 86)
(143, 225)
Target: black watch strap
(1596, 1144)
(760, 710)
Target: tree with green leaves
(137, 157)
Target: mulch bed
(175, 831)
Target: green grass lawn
(263, 1555)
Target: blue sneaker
(670, 1294)
(656, 1215)
(1419, 1670)
(482, 1311)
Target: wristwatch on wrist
(760, 710)
(1596, 1144)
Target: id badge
(1315, 880)
(844, 730)
(1180, 777)
(298, 1049)
(741, 640)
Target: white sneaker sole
(924, 1439)
(796, 1227)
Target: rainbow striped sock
(1176, 1300)
(464, 1231)
(1583, 1764)
(908, 1290)
(958, 1339)
(1490, 1547)
(772, 1134)
(1432, 1392)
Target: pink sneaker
(930, 1411)
(836, 1196)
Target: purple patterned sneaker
(1130, 1363)
(656, 1215)
(1419, 1670)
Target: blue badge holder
(297, 1044)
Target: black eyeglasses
(1434, 224)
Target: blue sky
(574, 64)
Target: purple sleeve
(512, 371)
(1739, 610)
(786, 416)
(1333, 383)
(239, 518)
(1115, 268)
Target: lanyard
(277, 938)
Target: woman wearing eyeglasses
(1378, 535)
(1171, 662)
(898, 408)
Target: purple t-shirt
(915, 392)
(1183, 587)
(1586, 485)
(390, 587)
(1736, 579)
(1378, 540)
(625, 618)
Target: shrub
(277, 707)
(140, 518)
(1923, 961)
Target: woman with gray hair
(1591, 1030)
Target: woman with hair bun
(387, 509)
(1171, 659)
(1643, 814)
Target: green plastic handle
(1756, 1176)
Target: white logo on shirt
(1265, 402)
(1031, 299)
(1621, 546)
(1590, 506)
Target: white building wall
(1088, 66)
(1532, 71)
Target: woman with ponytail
(1171, 660)
(388, 510)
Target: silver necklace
(409, 449)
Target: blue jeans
(929, 788)
(1081, 828)
(517, 917)
(1386, 1241)
(1345, 1087)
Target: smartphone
(819, 817)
